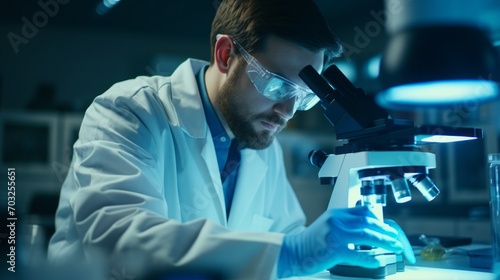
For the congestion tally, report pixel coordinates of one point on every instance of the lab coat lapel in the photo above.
(208, 155)
(185, 95)
(191, 119)
(250, 176)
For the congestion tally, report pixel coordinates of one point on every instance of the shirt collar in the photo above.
(217, 130)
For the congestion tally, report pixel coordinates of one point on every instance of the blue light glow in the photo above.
(348, 70)
(106, 5)
(372, 67)
(110, 3)
(438, 93)
(441, 138)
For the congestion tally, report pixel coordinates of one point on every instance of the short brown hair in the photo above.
(298, 21)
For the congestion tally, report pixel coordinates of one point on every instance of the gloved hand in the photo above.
(407, 250)
(324, 243)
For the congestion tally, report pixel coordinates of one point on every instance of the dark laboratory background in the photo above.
(56, 56)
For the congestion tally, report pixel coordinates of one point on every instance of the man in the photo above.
(184, 172)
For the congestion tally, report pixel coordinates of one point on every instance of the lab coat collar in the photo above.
(185, 95)
(191, 118)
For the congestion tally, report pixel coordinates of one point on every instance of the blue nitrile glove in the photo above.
(407, 249)
(324, 243)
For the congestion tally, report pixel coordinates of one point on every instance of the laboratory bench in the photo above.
(463, 264)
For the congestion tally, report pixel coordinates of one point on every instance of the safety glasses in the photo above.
(274, 86)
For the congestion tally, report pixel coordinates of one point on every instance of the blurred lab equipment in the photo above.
(433, 250)
(438, 54)
(378, 153)
(32, 245)
(494, 174)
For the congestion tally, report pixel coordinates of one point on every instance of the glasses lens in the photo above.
(277, 88)
(307, 102)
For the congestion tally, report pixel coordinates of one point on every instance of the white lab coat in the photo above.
(145, 182)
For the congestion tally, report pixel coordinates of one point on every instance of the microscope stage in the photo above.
(390, 264)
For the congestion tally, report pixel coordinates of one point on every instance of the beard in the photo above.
(240, 119)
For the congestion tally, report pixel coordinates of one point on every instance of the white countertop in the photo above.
(416, 273)
(452, 267)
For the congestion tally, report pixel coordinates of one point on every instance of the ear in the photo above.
(222, 53)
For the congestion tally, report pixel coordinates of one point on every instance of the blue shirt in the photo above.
(228, 152)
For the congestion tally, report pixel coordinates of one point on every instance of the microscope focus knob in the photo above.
(317, 158)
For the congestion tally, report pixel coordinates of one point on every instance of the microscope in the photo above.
(379, 155)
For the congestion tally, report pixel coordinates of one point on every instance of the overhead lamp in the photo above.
(438, 54)
(104, 6)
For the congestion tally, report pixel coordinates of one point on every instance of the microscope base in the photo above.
(391, 263)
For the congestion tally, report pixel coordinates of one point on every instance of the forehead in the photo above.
(287, 59)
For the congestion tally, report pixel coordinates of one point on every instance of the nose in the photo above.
(286, 109)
